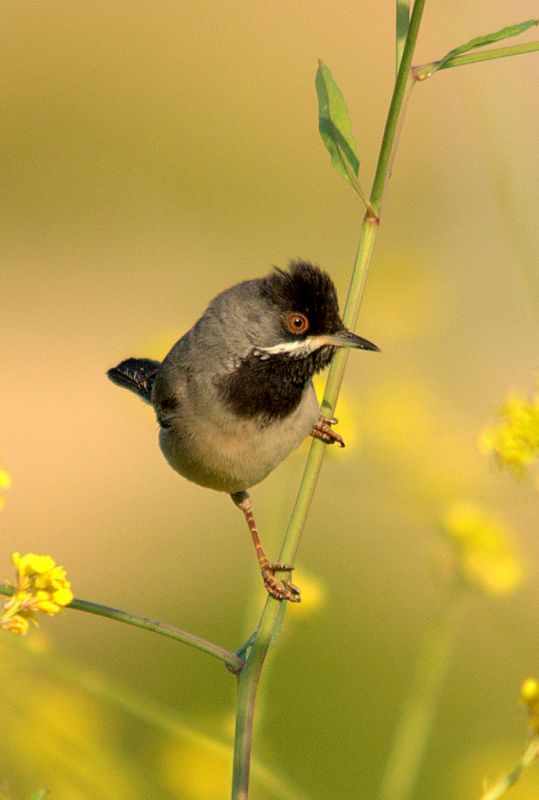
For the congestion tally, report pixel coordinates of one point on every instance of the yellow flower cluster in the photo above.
(529, 695)
(515, 440)
(40, 585)
(486, 551)
(5, 483)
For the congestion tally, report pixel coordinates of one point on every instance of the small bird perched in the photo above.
(234, 396)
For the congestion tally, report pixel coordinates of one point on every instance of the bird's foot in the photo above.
(282, 590)
(322, 430)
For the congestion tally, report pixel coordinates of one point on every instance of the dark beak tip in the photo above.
(370, 346)
(350, 339)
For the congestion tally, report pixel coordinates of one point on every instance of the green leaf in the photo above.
(335, 126)
(39, 795)
(489, 38)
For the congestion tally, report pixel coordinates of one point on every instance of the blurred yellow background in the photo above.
(153, 154)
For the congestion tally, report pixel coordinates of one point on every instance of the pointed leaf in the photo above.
(335, 126)
(489, 38)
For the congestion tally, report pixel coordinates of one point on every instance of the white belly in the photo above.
(229, 453)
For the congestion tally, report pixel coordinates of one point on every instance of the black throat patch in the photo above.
(271, 388)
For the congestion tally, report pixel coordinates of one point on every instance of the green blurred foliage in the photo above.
(154, 153)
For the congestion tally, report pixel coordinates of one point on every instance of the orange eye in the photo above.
(297, 323)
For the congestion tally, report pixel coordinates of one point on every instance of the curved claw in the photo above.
(278, 566)
(323, 431)
(281, 590)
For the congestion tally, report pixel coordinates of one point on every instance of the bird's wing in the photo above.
(137, 375)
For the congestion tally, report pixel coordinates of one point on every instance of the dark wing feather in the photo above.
(137, 375)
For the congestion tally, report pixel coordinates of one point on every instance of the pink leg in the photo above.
(282, 590)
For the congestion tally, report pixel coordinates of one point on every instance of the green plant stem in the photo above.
(415, 722)
(401, 92)
(232, 661)
(529, 757)
(425, 71)
(367, 240)
(273, 612)
(403, 23)
(354, 181)
(248, 680)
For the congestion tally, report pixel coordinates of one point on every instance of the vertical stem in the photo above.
(274, 610)
(413, 728)
(403, 22)
(394, 118)
(248, 680)
(244, 734)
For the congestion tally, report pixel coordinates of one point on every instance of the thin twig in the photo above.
(232, 661)
(424, 71)
(529, 757)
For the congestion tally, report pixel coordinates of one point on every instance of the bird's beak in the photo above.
(346, 338)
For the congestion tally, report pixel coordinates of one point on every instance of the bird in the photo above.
(234, 395)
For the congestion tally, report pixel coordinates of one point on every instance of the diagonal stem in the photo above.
(425, 71)
(273, 611)
(529, 757)
(229, 659)
(233, 662)
(367, 239)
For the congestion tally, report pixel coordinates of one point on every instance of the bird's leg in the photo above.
(282, 590)
(322, 430)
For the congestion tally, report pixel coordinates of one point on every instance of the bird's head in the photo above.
(291, 325)
(304, 314)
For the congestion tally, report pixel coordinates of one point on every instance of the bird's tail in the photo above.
(137, 375)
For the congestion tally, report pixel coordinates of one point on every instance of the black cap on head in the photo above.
(306, 289)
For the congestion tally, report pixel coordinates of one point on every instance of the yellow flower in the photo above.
(5, 479)
(529, 695)
(16, 624)
(5, 483)
(486, 552)
(515, 439)
(31, 564)
(40, 586)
